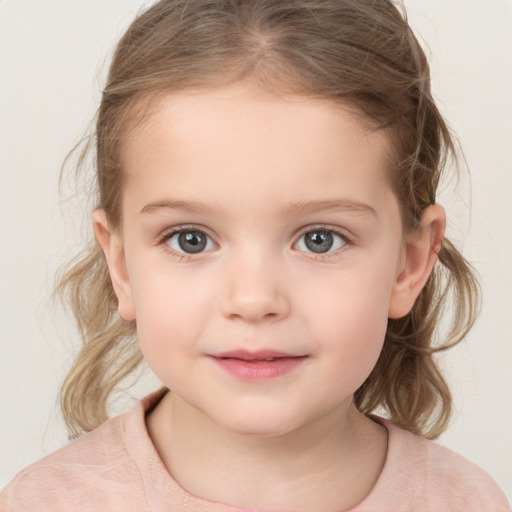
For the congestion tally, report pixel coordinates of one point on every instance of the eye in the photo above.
(321, 241)
(190, 241)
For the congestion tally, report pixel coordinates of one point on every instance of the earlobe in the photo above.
(111, 243)
(420, 254)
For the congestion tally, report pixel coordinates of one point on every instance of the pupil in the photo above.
(319, 241)
(192, 241)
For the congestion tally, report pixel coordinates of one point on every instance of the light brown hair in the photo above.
(356, 53)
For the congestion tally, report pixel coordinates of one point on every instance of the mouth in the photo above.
(259, 355)
(257, 366)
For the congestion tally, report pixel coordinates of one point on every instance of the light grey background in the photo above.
(52, 58)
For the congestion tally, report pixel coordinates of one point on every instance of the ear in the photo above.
(111, 243)
(421, 248)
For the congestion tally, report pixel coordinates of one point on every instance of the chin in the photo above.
(259, 425)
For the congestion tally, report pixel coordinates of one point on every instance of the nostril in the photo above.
(268, 309)
(253, 292)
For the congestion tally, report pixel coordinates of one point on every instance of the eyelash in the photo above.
(327, 256)
(167, 235)
(331, 255)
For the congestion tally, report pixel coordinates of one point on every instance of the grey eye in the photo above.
(190, 242)
(320, 241)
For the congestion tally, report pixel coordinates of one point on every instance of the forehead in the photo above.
(236, 138)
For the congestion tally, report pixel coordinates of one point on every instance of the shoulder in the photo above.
(452, 476)
(68, 474)
(436, 478)
(97, 469)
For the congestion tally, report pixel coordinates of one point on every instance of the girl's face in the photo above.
(261, 253)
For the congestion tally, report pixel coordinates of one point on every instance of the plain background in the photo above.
(53, 56)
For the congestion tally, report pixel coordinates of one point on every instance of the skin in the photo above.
(261, 171)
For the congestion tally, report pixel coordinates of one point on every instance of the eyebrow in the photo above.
(188, 206)
(306, 207)
(300, 207)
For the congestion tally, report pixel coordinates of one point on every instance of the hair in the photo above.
(360, 54)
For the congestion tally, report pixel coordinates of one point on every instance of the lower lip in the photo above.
(258, 371)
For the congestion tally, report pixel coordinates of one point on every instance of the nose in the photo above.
(254, 290)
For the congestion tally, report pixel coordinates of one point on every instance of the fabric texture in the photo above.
(117, 468)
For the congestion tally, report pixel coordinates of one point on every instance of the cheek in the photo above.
(171, 313)
(357, 329)
(353, 353)
(351, 323)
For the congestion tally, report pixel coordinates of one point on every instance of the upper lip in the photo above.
(256, 355)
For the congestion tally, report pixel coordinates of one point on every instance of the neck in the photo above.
(329, 464)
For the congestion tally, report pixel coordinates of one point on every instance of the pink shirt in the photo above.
(116, 468)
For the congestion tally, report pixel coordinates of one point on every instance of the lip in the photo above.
(258, 366)
(249, 355)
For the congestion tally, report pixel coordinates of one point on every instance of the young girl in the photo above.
(268, 239)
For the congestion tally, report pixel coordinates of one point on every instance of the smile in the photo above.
(257, 366)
